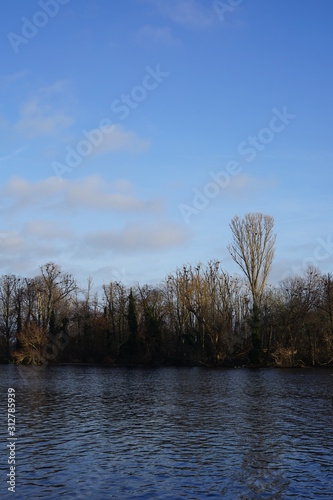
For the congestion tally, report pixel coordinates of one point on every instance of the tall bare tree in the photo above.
(53, 287)
(253, 248)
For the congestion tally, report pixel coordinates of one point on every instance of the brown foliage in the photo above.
(32, 342)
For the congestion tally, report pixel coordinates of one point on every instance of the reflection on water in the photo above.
(170, 433)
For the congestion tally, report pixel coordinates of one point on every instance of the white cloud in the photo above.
(136, 238)
(37, 119)
(38, 240)
(243, 185)
(40, 118)
(44, 230)
(94, 193)
(120, 139)
(89, 193)
(189, 13)
(158, 36)
(20, 254)
(22, 194)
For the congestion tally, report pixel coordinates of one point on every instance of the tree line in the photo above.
(198, 315)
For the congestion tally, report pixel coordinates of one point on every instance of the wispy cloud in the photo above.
(43, 230)
(11, 155)
(23, 250)
(89, 193)
(21, 194)
(39, 117)
(121, 140)
(157, 36)
(189, 13)
(6, 80)
(60, 86)
(94, 193)
(80, 219)
(135, 238)
(244, 186)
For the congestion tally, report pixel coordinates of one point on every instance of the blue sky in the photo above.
(133, 131)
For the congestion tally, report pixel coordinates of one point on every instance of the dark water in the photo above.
(99, 433)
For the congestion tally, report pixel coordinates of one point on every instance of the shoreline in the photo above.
(156, 366)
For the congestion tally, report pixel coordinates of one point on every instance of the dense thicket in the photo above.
(198, 315)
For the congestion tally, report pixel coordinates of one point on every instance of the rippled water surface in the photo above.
(99, 433)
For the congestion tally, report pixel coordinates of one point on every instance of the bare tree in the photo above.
(253, 248)
(52, 287)
(8, 284)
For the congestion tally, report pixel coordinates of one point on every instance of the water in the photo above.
(169, 433)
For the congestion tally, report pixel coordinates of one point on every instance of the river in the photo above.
(168, 433)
